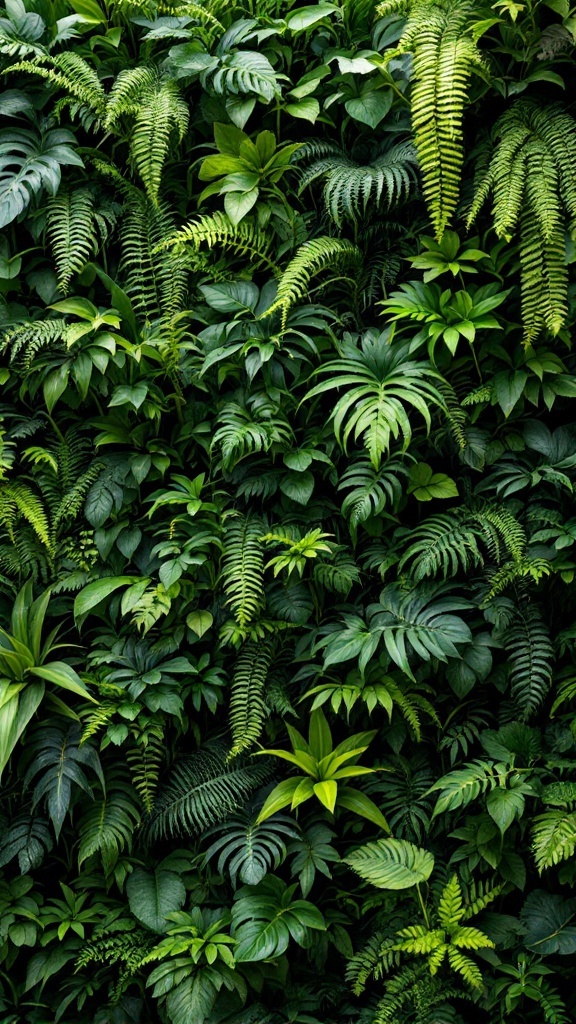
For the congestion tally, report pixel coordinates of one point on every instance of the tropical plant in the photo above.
(287, 537)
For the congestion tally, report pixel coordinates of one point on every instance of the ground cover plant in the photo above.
(287, 526)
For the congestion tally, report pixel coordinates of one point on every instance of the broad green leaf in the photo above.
(391, 864)
(152, 895)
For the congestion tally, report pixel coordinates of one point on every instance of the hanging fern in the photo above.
(71, 72)
(438, 33)
(314, 256)
(76, 225)
(155, 102)
(531, 176)
(145, 760)
(203, 789)
(243, 567)
(530, 660)
(248, 709)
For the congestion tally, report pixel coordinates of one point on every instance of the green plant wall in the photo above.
(287, 519)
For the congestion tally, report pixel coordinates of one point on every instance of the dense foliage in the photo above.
(287, 460)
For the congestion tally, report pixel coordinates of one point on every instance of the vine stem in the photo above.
(423, 906)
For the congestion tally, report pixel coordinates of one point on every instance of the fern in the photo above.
(248, 709)
(245, 239)
(204, 789)
(108, 825)
(313, 257)
(530, 660)
(155, 282)
(71, 232)
(351, 188)
(438, 32)
(120, 944)
(71, 72)
(532, 180)
(155, 102)
(19, 500)
(443, 544)
(243, 432)
(243, 568)
(553, 838)
(145, 761)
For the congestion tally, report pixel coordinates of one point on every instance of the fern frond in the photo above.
(69, 71)
(155, 281)
(204, 789)
(438, 33)
(248, 709)
(71, 232)
(530, 660)
(217, 231)
(17, 499)
(553, 838)
(531, 175)
(159, 109)
(443, 544)
(145, 761)
(243, 567)
(351, 189)
(312, 258)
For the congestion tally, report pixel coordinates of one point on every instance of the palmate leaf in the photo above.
(420, 621)
(383, 384)
(30, 162)
(61, 758)
(247, 851)
(391, 864)
(28, 838)
(266, 917)
(547, 919)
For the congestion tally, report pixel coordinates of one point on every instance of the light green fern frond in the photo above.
(553, 838)
(245, 239)
(18, 500)
(243, 568)
(159, 110)
(314, 256)
(531, 176)
(438, 33)
(71, 72)
(71, 232)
